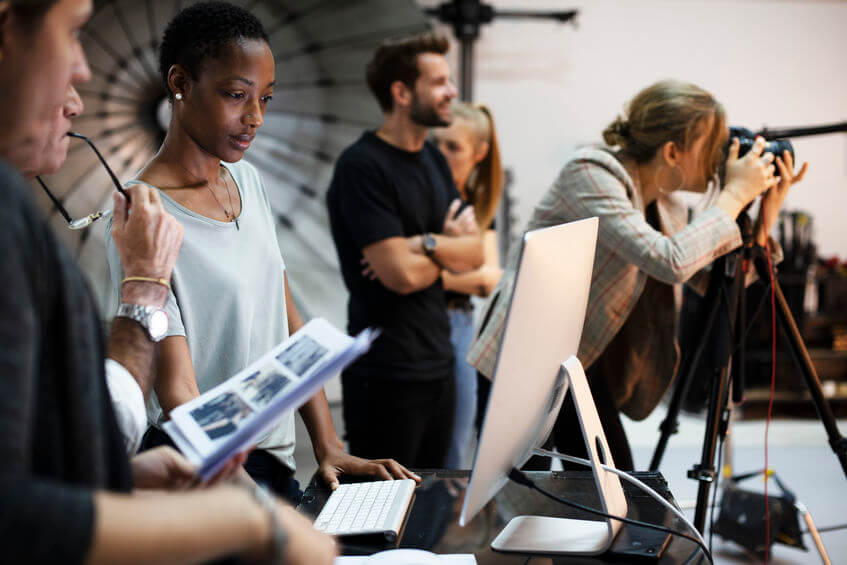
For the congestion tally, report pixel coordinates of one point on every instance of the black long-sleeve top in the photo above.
(59, 440)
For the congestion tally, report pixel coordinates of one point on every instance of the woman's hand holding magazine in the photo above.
(230, 418)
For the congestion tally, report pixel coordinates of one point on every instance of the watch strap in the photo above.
(429, 243)
(140, 314)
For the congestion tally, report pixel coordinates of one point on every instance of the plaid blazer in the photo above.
(629, 250)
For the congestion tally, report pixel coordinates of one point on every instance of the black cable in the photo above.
(520, 478)
(696, 553)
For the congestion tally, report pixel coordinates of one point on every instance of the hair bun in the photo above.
(616, 133)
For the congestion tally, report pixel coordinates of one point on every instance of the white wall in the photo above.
(777, 63)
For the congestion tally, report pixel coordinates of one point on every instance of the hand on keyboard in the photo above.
(377, 507)
(334, 462)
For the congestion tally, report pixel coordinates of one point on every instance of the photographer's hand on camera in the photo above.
(746, 177)
(774, 198)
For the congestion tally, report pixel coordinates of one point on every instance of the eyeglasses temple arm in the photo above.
(103, 161)
(56, 203)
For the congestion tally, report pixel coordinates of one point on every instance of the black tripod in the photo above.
(721, 316)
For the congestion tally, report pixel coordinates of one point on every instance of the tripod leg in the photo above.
(815, 534)
(707, 311)
(704, 472)
(670, 424)
(804, 363)
(718, 415)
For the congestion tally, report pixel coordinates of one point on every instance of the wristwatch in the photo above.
(429, 244)
(153, 320)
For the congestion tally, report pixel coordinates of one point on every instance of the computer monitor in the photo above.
(535, 365)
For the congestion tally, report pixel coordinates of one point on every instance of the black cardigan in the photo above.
(59, 440)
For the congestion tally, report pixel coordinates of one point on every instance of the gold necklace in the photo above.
(230, 215)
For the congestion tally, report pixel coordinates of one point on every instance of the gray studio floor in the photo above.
(799, 453)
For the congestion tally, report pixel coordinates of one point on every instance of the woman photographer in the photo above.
(672, 138)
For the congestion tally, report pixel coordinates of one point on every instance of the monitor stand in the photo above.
(566, 536)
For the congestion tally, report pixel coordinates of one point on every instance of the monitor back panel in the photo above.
(543, 329)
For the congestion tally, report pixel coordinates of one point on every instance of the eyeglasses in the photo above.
(91, 218)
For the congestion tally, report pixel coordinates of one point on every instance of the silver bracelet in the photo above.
(278, 535)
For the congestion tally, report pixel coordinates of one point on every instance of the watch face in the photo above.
(158, 324)
(429, 243)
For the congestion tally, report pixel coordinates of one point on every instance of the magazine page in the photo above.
(232, 416)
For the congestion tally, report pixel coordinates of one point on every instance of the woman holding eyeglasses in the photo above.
(68, 492)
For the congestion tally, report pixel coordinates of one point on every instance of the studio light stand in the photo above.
(467, 16)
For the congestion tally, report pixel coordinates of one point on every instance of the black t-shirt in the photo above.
(380, 191)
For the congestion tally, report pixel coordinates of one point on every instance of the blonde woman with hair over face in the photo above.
(470, 146)
(672, 137)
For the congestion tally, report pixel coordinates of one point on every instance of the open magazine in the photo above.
(234, 415)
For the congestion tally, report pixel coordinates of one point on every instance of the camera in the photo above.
(747, 137)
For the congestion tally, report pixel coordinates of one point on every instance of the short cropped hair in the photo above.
(203, 31)
(397, 59)
(31, 12)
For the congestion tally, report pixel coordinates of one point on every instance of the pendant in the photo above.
(232, 218)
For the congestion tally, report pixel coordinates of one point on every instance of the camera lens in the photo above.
(744, 145)
(776, 146)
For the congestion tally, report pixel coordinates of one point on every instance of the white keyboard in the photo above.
(377, 507)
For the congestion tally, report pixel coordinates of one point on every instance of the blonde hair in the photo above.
(485, 184)
(670, 110)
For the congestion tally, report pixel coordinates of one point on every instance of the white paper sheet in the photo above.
(451, 559)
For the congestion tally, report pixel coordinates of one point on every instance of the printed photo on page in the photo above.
(217, 416)
(261, 387)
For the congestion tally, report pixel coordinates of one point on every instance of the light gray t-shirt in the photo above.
(228, 294)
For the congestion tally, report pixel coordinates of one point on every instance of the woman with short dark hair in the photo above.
(230, 302)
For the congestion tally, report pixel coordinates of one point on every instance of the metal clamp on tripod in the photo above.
(721, 315)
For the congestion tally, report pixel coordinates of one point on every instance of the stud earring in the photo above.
(178, 95)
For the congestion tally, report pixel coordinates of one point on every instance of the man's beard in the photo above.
(426, 116)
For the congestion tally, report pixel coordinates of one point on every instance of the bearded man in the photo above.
(396, 222)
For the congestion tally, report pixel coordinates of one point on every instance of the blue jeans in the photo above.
(461, 335)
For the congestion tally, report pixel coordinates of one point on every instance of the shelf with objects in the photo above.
(816, 291)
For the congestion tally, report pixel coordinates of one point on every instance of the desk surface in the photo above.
(433, 522)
